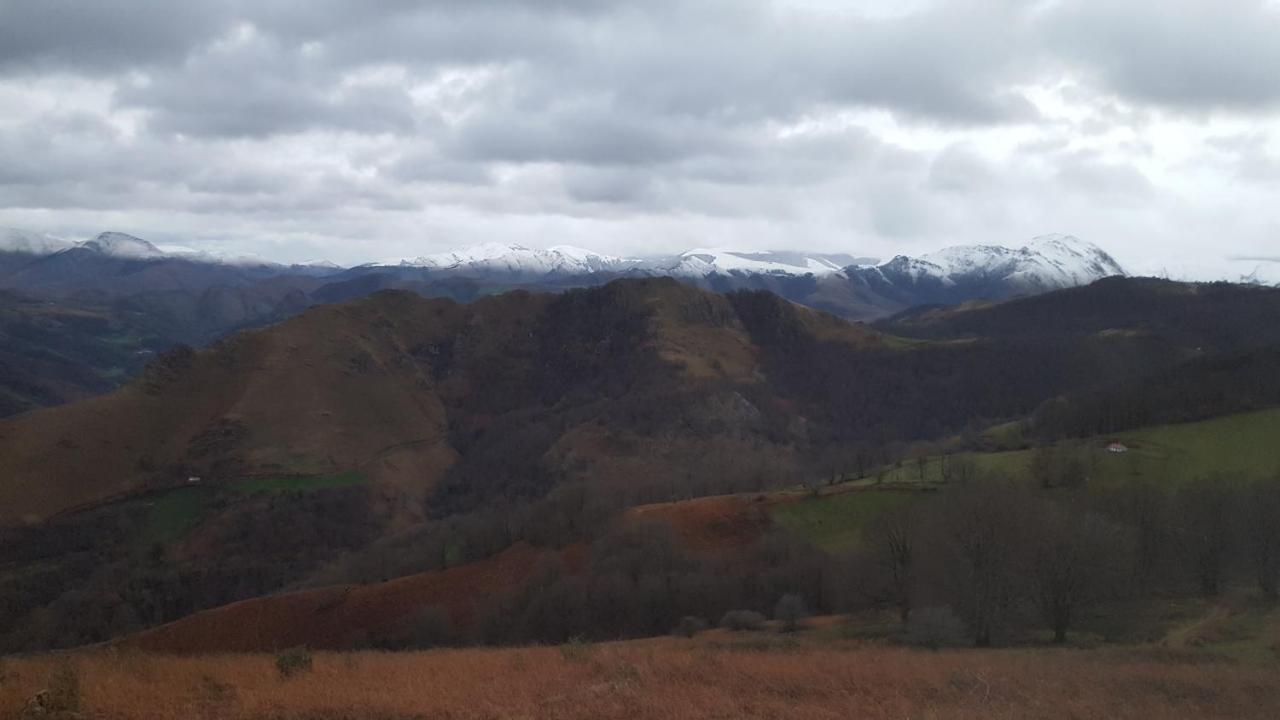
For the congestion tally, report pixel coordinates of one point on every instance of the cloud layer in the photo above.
(358, 130)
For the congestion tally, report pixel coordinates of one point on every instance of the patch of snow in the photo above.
(319, 264)
(1047, 262)
(707, 261)
(520, 260)
(31, 243)
(121, 245)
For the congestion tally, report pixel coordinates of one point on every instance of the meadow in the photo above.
(716, 675)
(1245, 446)
(1242, 445)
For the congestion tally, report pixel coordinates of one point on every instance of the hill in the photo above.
(396, 435)
(168, 297)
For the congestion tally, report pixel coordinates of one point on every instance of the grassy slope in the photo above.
(1245, 446)
(298, 483)
(835, 522)
(174, 512)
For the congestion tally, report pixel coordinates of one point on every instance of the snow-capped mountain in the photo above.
(561, 260)
(708, 261)
(518, 260)
(844, 284)
(115, 244)
(968, 272)
(13, 240)
(1048, 262)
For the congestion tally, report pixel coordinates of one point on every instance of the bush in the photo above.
(790, 611)
(577, 650)
(934, 627)
(690, 626)
(215, 700)
(742, 620)
(293, 661)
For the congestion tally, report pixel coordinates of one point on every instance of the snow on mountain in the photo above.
(521, 260)
(213, 257)
(1047, 262)
(121, 245)
(319, 264)
(569, 260)
(708, 261)
(31, 243)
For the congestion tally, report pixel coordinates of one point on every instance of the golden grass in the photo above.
(664, 678)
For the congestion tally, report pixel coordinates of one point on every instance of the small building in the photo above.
(1118, 447)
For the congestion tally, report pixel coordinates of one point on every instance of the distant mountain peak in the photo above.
(520, 260)
(1046, 262)
(965, 272)
(31, 243)
(719, 260)
(117, 244)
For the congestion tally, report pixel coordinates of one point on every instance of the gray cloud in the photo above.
(103, 37)
(402, 127)
(1184, 54)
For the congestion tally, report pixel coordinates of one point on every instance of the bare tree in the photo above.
(1262, 529)
(891, 541)
(983, 553)
(1076, 561)
(1060, 466)
(962, 469)
(790, 611)
(1203, 524)
(1144, 507)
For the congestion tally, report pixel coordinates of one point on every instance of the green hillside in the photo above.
(1244, 446)
(835, 522)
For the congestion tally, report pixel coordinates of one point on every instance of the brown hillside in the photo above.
(385, 385)
(347, 617)
(342, 617)
(323, 392)
(712, 524)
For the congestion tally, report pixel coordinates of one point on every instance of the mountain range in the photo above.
(78, 318)
(115, 264)
(395, 434)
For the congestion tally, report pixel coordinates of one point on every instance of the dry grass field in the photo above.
(713, 676)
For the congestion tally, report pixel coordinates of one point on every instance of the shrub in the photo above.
(293, 661)
(689, 626)
(215, 700)
(790, 611)
(742, 620)
(578, 649)
(934, 627)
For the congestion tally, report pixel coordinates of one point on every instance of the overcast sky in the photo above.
(358, 130)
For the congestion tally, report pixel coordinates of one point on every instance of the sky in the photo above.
(356, 131)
